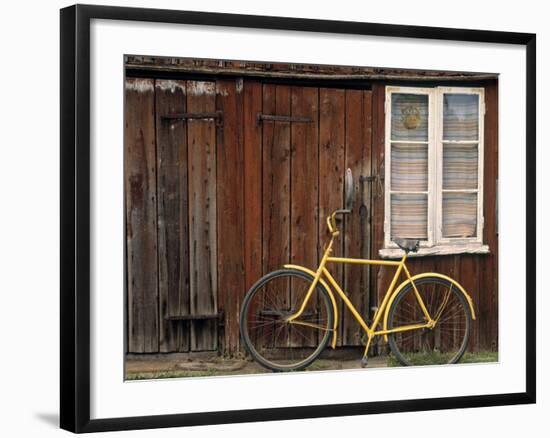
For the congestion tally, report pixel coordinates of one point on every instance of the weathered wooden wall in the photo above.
(211, 206)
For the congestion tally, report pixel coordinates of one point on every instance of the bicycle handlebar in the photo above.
(331, 221)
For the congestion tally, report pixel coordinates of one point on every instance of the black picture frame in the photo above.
(75, 217)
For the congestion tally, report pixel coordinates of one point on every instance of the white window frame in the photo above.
(436, 242)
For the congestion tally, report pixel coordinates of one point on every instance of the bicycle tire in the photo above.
(320, 295)
(413, 351)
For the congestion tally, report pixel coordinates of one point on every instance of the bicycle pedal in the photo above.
(364, 362)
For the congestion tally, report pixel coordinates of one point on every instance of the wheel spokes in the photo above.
(442, 343)
(283, 343)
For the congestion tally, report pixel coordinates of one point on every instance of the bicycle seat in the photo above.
(407, 245)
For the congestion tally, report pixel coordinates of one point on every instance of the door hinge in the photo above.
(196, 317)
(260, 118)
(216, 116)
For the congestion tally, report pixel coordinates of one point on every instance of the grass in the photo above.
(419, 359)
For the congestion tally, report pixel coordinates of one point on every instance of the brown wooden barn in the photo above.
(231, 168)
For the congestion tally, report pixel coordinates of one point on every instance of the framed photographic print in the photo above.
(262, 214)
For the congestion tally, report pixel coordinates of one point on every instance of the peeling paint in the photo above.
(239, 85)
(139, 85)
(196, 88)
(172, 86)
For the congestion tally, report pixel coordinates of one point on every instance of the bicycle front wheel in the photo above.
(270, 338)
(446, 342)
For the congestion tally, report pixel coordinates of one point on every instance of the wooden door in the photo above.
(171, 184)
(226, 180)
(310, 136)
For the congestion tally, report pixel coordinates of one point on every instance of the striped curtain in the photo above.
(409, 167)
(460, 165)
(460, 116)
(459, 214)
(409, 216)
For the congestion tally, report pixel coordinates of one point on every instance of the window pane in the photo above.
(460, 116)
(409, 167)
(409, 117)
(459, 214)
(409, 216)
(460, 166)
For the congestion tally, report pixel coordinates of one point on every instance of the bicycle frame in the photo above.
(322, 275)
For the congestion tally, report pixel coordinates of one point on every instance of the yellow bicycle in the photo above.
(289, 315)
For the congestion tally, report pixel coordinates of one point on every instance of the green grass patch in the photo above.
(419, 359)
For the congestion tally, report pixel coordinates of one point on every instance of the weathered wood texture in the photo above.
(276, 186)
(231, 208)
(173, 216)
(201, 138)
(356, 237)
(141, 215)
(380, 275)
(252, 105)
(211, 205)
(331, 172)
(488, 294)
(285, 70)
(304, 180)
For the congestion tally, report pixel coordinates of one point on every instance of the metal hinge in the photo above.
(378, 189)
(260, 117)
(369, 178)
(195, 317)
(217, 116)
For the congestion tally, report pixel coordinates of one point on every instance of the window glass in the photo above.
(459, 215)
(446, 139)
(409, 167)
(409, 117)
(460, 162)
(460, 116)
(409, 218)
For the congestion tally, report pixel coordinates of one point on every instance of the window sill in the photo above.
(468, 248)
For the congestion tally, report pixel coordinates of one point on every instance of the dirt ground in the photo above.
(178, 367)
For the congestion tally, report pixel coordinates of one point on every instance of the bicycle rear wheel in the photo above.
(274, 342)
(446, 342)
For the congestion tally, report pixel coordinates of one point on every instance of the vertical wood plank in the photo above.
(141, 215)
(252, 182)
(276, 184)
(304, 188)
(357, 235)
(231, 207)
(331, 170)
(201, 142)
(489, 292)
(380, 275)
(469, 279)
(173, 227)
